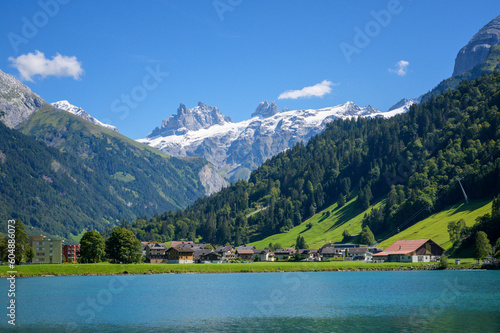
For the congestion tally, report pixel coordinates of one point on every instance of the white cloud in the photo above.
(401, 68)
(32, 64)
(318, 90)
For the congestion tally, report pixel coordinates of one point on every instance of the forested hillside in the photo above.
(90, 178)
(413, 160)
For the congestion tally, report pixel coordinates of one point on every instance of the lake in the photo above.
(407, 301)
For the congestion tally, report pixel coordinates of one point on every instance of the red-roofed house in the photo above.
(414, 250)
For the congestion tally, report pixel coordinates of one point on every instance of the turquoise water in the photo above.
(414, 301)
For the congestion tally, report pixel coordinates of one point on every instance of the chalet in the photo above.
(415, 250)
(198, 253)
(244, 254)
(227, 252)
(211, 258)
(180, 255)
(263, 255)
(309, 254)
(284, 254)
(360, 253)
(156, 253)
(330, 252)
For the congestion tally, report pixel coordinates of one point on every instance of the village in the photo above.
(183, 252)
(49, 251)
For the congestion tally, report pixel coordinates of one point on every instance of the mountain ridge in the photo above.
(236, 149)
(78, 111)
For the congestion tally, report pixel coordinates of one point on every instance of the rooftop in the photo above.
(404, 247)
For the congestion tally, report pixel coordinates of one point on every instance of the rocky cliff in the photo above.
(478, 48)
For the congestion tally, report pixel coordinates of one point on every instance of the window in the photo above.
(43, 243)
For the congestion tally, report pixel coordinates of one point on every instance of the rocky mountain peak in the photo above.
(265, 109)
(478, 48)
(191, 119)
(17, 101)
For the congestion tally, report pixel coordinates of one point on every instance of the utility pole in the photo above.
(465, 195)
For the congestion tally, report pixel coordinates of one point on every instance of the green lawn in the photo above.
(436, 225)
(324, 229)
(109, 269)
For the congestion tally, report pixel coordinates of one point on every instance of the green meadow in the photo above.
(112, 269)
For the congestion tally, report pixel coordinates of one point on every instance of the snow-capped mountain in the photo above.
(77, 111)
(202, 116)
(238, 148)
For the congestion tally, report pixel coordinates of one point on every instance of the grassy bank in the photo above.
(110, 269)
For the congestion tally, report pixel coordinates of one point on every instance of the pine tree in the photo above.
(300, 243)
(366, 237)
(341, 201)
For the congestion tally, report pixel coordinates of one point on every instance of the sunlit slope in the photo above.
(349, 217)
(325, 228)
(436, 225)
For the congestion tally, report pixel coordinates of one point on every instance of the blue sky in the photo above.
(232, 54)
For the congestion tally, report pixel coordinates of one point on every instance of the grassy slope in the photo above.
(324, 229)
(350, 216)
(435, 226)
(108, 269)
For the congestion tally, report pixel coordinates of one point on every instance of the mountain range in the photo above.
(236, 149)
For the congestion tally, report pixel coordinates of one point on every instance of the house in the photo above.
(327, 252)
(156, 253)
(47, 251)
(360, 253)
(263, 255)
(198, 253)
(415, 250)
(244, 254)
(211, 257)
(71, 252)
(309, 254)
(180, 255)
(284, 254)
(227, 253)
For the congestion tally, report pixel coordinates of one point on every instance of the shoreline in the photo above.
(103, 269)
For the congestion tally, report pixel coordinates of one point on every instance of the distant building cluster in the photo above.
(51, 251)
(183, 252)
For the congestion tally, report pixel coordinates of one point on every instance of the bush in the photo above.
(443, 263)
